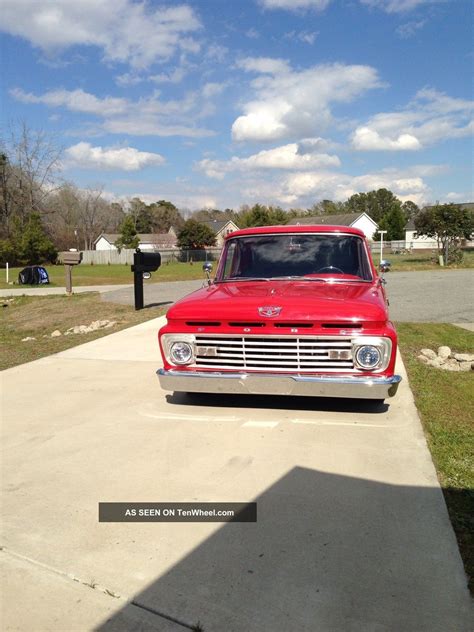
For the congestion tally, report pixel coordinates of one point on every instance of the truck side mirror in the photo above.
(207, 267)
(385, 265)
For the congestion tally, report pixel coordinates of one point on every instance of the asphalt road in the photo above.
(352, 532)
(438, 296)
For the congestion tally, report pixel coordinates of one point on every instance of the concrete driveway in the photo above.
(352, 532)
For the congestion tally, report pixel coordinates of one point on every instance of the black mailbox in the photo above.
(143, 262)
(146, 261)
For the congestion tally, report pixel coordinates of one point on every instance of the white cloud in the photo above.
(174, 76)
(146, 116)
(126, 31)
(75, 101)
(398, 6)
(84, 155)
(129, 79)
(367, 139)
(287, 157)
(431, 117)
(252, 33)
(295, 5)
(291, 103)
(409, 29)
(264, 65)
(217, 53)
(305, 187)
(212, 89)
(453, 196)
(307, 37)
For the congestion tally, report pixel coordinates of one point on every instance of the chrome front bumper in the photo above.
(359, 387)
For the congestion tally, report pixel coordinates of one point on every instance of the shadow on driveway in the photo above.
(329, 553)
(280, 402)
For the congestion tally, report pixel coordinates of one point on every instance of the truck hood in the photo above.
(299, 301)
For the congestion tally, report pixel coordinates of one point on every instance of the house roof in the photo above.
(217, 224)
(469, 206)
(158, 239)
(341, 219)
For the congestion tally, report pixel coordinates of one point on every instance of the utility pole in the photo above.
(382, 233)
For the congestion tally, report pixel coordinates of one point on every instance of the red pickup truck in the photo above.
(292, 310)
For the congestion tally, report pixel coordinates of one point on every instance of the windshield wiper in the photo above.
(300, 278)
(233, 279)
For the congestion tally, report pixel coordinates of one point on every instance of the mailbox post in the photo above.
(70, 258)
(143, 262)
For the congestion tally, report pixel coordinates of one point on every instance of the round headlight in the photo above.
(368, 357)
(181, 352)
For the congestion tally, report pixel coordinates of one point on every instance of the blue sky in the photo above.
(216, 104)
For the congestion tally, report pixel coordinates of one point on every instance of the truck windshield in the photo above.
(319, 256)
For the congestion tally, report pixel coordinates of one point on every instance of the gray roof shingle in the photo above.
(341, 219)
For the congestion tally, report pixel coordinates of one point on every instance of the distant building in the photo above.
(413, 242)
(362, 221)
(150, 241)
(221, 229)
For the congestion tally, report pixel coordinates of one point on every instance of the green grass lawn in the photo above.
(445, 403)
(38, 316)
(85, 274)
(422, 260)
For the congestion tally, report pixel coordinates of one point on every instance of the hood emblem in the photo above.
(269, 310)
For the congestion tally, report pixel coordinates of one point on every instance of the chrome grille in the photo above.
(309, 354)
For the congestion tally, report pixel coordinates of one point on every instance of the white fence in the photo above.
(125, 256)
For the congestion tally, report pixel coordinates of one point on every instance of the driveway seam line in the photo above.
(57, 571)
(95, 586)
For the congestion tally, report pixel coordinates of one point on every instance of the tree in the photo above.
(376, 204)
(144, 220)
(410, 209)
(93, 210)
(394, 223)
(195, 236)
(128, 235)
(64, 219)
(6, 201)
(448, 224)
(28, 167)
(165, 215)
(33, 244)
(277, 215)
(326, 207)
(208, 215)
(136, 207)
(77, 216)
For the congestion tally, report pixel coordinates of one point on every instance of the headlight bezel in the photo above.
(187, 349)
(382, 345)
(169, 340)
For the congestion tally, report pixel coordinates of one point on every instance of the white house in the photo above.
(412, 242)
(149, 241)
(362, 221)
(221, 228)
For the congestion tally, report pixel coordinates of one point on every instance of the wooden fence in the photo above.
(125, 256)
